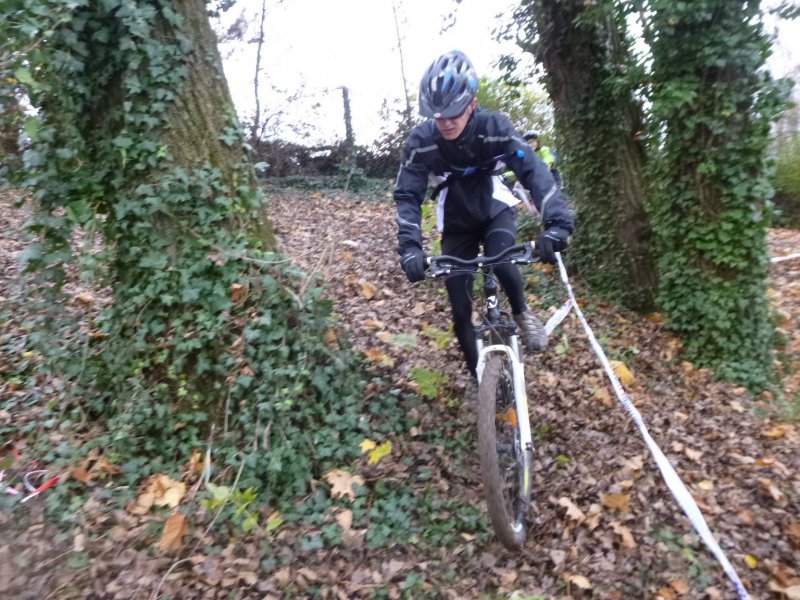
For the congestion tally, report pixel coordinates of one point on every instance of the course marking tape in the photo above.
(558, 316)
(671, 478)
(777, 259)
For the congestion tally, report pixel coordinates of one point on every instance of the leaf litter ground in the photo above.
(605, 526)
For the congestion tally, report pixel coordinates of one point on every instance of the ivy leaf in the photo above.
(23, 75)
(123, 142)
(32, 128)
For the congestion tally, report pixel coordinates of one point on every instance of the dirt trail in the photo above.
(740, 463)
(604, 517)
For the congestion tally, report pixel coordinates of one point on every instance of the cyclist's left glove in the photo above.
(413, 262)
(551, 241)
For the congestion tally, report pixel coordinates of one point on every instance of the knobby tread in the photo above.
(502, 521)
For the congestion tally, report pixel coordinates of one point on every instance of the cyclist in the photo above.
(473, 204)
(547, 154)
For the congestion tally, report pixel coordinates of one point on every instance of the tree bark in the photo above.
(598, 126)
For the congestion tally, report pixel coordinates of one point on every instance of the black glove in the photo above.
(413, 263)
(551, 241)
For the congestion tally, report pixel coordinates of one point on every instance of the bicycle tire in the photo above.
(507, 505)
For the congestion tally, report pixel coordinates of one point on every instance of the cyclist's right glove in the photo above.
(413, 264)
(551, 241)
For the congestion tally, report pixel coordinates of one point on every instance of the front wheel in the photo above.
(505, 465)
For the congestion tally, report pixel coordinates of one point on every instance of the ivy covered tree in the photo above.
(598, 124)
(209, 332)
(713, 107)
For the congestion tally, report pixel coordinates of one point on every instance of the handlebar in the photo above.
(522, 254)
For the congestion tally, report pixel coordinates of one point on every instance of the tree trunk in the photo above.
(714, 104)
(210, 336)
(598, 126)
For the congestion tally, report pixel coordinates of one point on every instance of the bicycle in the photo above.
(505, 444)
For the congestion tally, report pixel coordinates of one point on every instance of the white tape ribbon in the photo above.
(558, 316)
(671, 478)
(777, 259)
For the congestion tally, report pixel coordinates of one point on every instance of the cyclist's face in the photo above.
(452, 128)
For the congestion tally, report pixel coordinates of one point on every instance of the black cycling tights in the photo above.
(497, 235)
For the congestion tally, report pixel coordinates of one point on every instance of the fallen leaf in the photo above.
(776, 432)
(548, 379)
(794, 532)
(694, 455)
(172, 492)
(80, 474)
(751, 561)
(308, 574)
(367, 445)
(376, 454)
(636, 463)
(705, 485)
(161, 491)
(345, 519)
(368, 290)
(784, 575)
(237, 292)
(773, 491)
(666, 593)
(624, 533)
(558, 557)
(419, 309)
(622, 371)
(789, 593)
(374, 355)
(680, 586)
(737, 406)
(713, 593)
(746, 516)
(79, 542)
(619, 502)
(573, 512)
(384, 336)
(274, 520)
(603, 396)
(282, 576)
(330, 337)
(196, 462)
(175, 527)
(373, 324)
(342, 483)
(103, 465)
(143, 504)
(85, 298)
(507, 579)
(579, 580)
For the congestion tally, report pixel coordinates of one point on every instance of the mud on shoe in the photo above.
(532, 331)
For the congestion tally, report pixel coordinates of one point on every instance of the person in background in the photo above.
(474, 207)
(547, 154)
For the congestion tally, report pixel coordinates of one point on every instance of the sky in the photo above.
(314, 47)
(328, 44)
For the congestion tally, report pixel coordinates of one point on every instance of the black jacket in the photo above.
(469, 202)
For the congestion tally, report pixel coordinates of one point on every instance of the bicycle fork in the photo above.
(525, 451)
